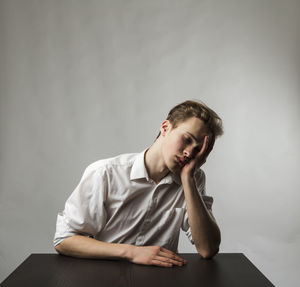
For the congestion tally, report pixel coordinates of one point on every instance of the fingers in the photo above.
(166, 255)
(169, 260)
(169, 254)
(156, 255)
(166, 250)
(207, 147)
(204, 145)
(202, 154)
(161, 263)
(212, 139)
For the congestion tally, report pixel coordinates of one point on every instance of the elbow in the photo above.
(208, 253)
(209, 249)
(61, 247)
(58, 248)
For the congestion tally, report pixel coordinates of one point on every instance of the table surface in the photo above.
(225, 269)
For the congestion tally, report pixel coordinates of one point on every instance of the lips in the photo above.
(181, 161)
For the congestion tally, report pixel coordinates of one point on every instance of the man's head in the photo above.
(189, 109)
(182, 133)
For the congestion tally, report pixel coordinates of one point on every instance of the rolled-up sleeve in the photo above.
(84, 211)
(200, 180)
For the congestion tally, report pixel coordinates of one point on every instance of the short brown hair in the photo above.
(188, 109)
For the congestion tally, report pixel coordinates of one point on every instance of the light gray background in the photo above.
(85, 80)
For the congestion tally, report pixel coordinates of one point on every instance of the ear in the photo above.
(165, 127)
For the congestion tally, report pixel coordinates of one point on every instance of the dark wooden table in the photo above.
(225, 269)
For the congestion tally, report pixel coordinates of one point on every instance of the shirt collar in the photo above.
(139, 170)
(170, 178)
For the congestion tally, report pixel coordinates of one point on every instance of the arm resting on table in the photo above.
(85, 247)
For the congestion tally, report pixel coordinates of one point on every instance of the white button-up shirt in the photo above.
(116, 201)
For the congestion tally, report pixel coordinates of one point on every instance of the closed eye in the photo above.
(187, 140)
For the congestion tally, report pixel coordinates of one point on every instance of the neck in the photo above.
(154, 162)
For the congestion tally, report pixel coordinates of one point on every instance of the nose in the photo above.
(190, 151)
(187, 152)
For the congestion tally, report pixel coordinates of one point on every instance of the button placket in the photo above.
(141, 236)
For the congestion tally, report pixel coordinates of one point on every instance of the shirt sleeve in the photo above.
(84, 211)
(200, 181)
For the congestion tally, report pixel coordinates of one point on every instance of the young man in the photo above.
(133, 206)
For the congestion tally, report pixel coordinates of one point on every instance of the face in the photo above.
(182, 143)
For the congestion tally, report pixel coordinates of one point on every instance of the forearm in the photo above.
(205, 231)
(85, 247)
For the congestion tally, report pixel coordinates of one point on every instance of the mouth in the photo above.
(180, 161)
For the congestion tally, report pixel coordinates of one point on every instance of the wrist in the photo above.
(187, 178)
(128, 251)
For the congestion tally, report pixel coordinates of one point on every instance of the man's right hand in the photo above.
(154, 255)
(85, 247)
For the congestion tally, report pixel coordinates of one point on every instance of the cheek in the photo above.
(179, 144)
(176, 145)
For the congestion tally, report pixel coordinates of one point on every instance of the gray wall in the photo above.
(85, 80)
